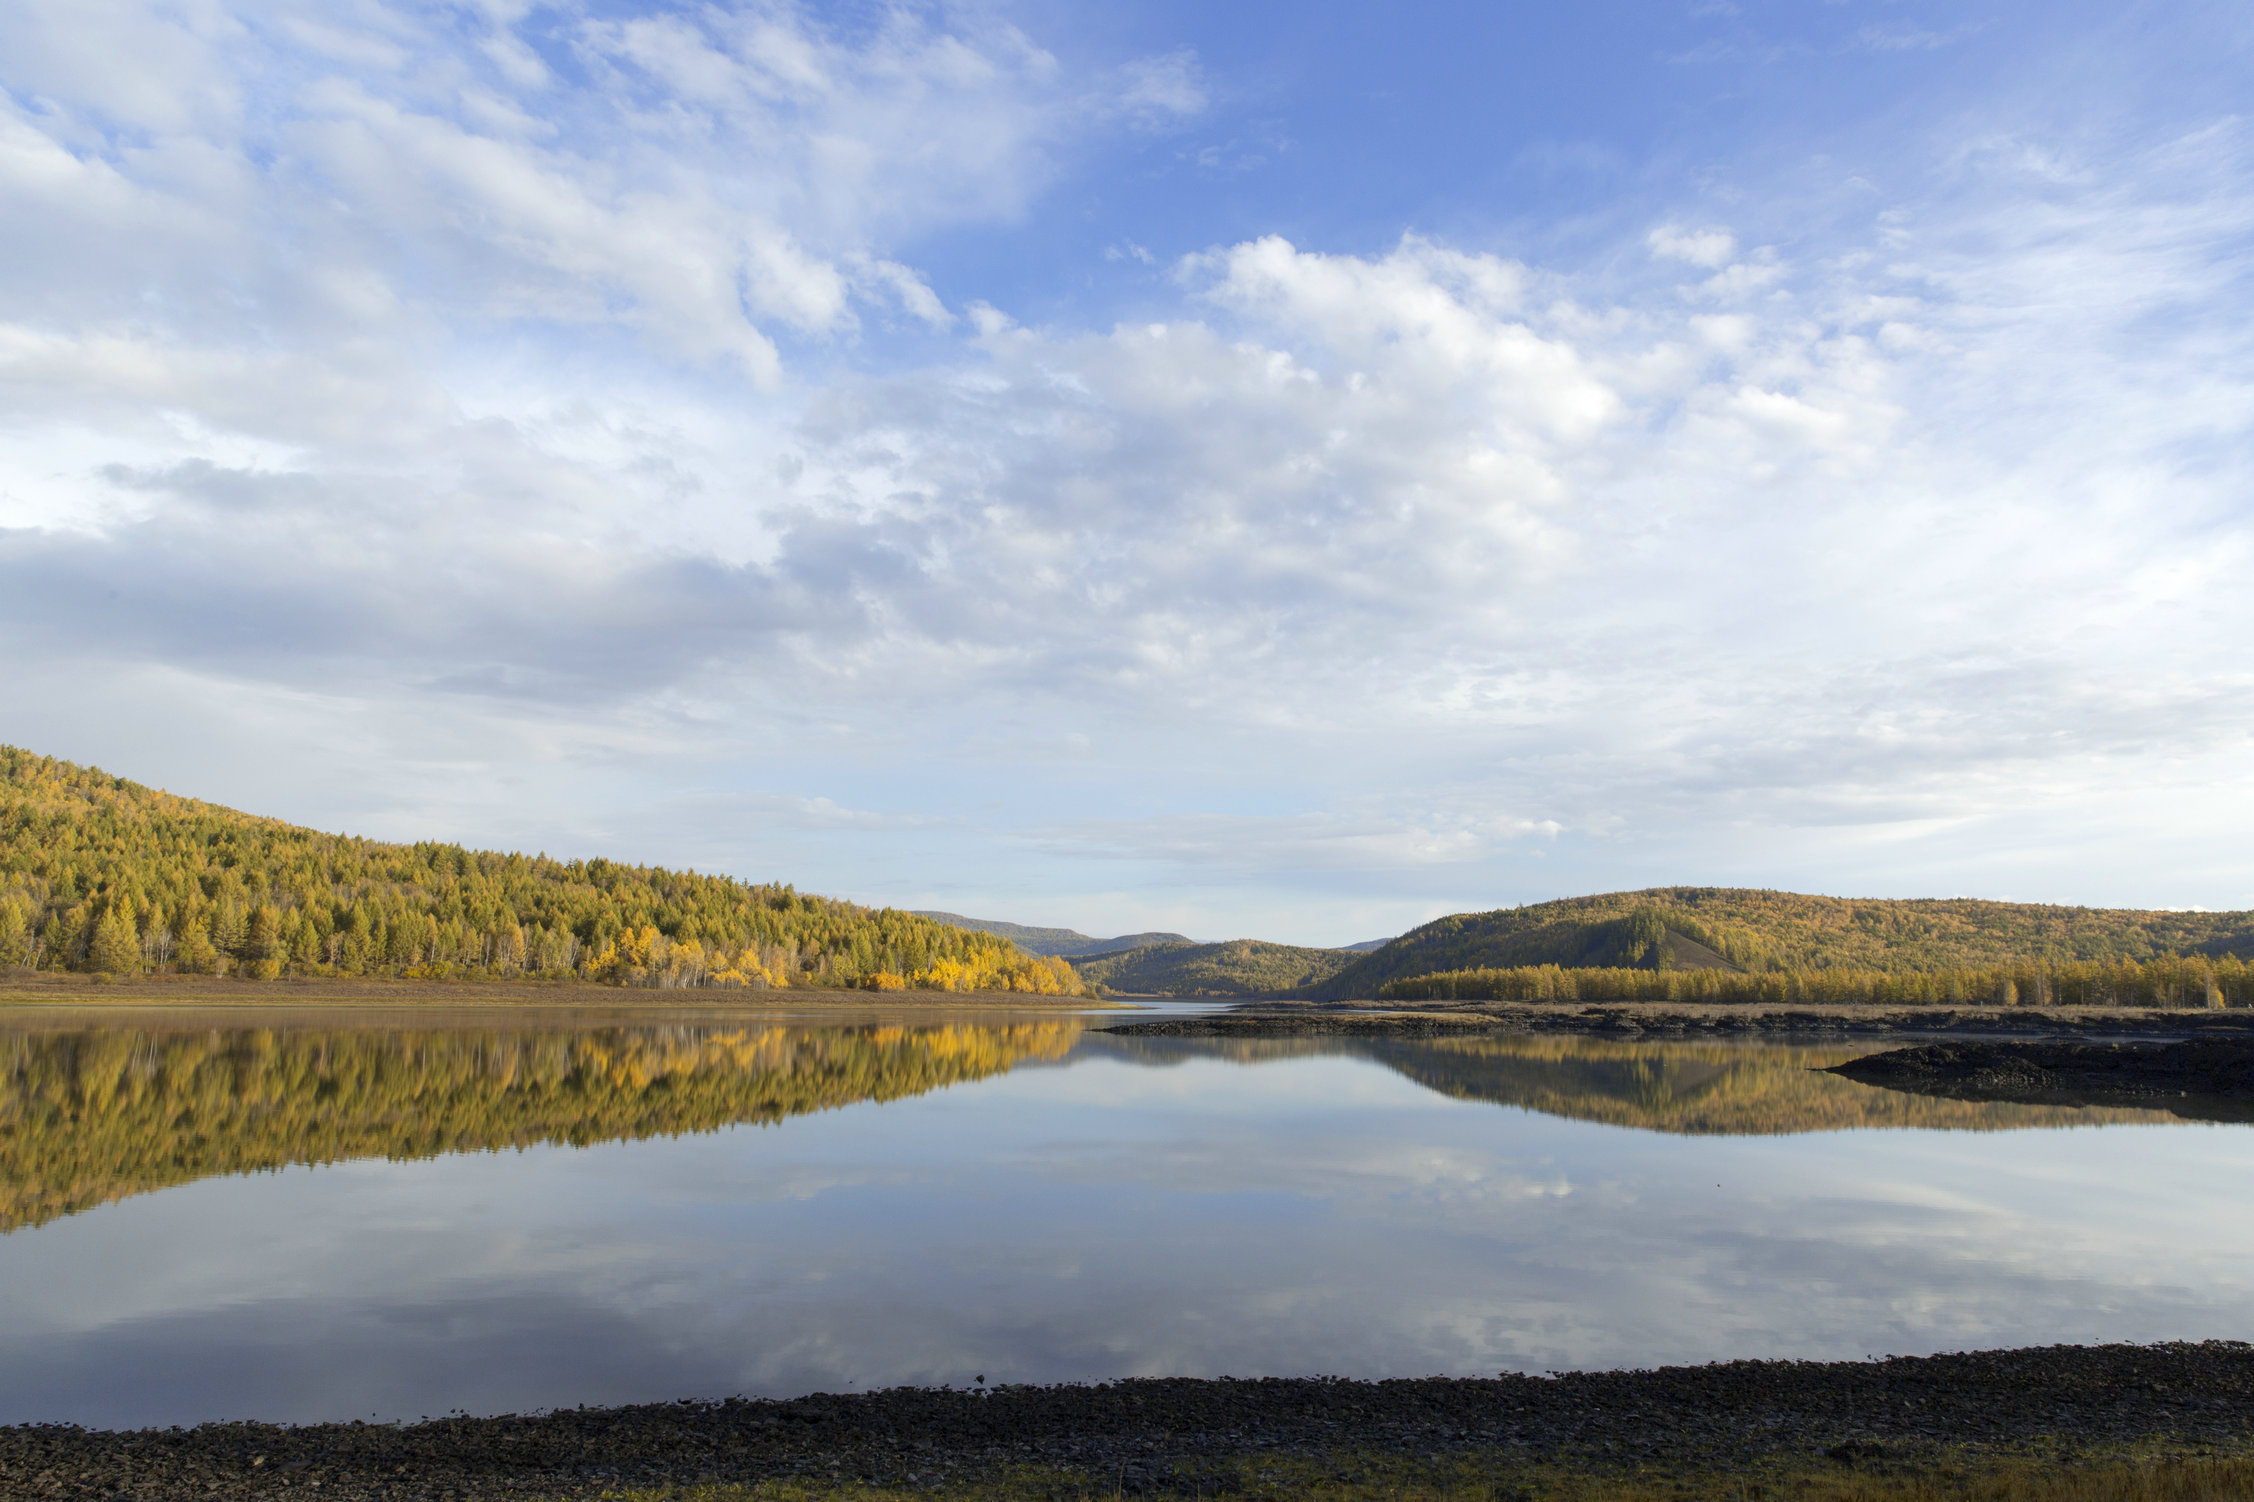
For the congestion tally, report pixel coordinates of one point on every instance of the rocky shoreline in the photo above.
(1180, 1437)
(2209, 1079)
(1630, 1019)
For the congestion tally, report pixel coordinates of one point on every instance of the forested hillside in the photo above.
(2170, 981)
(1241, 967)
(1764, 931)
(101, 874)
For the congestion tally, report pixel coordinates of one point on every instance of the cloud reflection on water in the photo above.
(1317, 1211)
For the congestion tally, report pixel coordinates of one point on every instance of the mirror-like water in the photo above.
(334, 1222)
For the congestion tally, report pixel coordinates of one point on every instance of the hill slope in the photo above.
(1761, 930)
(1063, 942)
(1241, 967)
(98, 873)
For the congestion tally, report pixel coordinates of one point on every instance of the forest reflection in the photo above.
(1700, 1089)
(96, 1114)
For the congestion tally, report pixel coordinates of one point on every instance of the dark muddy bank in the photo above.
(1165, 1436)
(2207, 1079)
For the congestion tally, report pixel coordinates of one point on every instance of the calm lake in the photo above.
(239, 1217)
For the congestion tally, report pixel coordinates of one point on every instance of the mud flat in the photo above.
(1691, 1020)
(1183, 1437)
(2207, 1078)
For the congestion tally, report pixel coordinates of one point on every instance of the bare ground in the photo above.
(1177, 1437)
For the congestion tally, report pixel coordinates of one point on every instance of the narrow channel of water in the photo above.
(317, 1222)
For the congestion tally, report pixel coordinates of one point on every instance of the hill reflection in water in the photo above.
(1693, 1088)
(96, 1114)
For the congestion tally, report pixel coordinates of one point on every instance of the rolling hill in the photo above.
(1063, 942)
(101, 874)
(105, 875)
(1240, 967)
(1761, 930)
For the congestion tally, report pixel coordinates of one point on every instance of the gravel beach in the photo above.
(1167, 1437)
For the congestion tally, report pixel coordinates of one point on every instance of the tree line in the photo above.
(101, 874)
(2168, 981)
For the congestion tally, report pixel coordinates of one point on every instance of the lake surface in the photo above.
(307, 1220)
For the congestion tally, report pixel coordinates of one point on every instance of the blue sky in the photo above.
(1272, 470)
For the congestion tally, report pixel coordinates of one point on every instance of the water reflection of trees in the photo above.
(98, 1114)
(1685, 1087)
(95, 1115)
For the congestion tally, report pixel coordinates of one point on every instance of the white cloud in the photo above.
(1905, 37)
(1162, 91)
(1710, 248)
(502, 399)
(713, 180)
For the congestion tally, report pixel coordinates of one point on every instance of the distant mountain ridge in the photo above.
(1240, 967)
(1061, 943)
